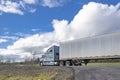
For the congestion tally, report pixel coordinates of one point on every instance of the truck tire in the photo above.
(67, 63)
(62, 63)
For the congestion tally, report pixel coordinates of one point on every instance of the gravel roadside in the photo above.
(97, 73)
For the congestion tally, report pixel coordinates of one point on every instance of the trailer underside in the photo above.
(86, 60)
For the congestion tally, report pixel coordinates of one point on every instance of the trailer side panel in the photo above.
(97, 46)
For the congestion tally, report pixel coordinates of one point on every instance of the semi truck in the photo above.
(51, 56)
(84, 50)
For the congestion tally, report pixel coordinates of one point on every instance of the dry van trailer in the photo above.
(83, 50)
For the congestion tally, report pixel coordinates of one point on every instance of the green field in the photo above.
(104, 64)
(40, 77)
(8, 72)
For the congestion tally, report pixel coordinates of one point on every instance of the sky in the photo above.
(32, 26)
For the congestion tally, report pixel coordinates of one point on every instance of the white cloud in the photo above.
(34, 30)
(92, 19)
(53, 3)
(18, 7)
(29, 45)
(21, 6)
(30, 1)
(95, 18)
(3, 40)
(19, 34)
(32, 42)
(8, 6)
(17, 55)
(32, 10)
(9, 37)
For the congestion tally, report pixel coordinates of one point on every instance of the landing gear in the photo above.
(86, 61)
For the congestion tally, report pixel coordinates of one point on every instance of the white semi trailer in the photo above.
(100, 47)
(105, 46)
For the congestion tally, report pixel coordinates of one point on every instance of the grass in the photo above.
(49, 76)
(12, 72)
(104, 64)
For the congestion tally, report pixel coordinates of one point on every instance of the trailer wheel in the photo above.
(62, 63)
(67, 63)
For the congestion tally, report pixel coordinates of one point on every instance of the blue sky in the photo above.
(41, 19)
(30, 18)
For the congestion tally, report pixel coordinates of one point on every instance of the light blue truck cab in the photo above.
(51, 56)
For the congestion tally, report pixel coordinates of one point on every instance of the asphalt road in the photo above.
(97, 73)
